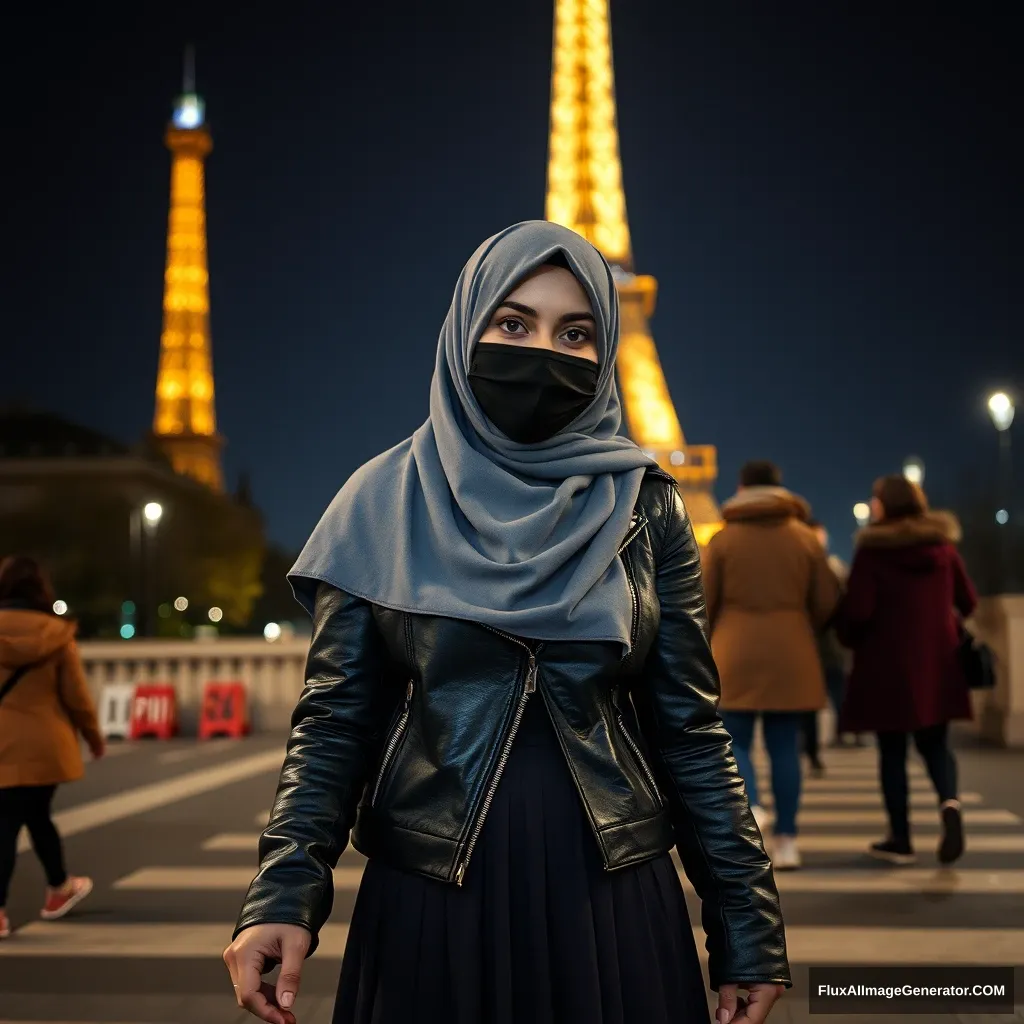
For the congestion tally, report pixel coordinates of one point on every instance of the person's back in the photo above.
(899, 618)
(769, 591)
(38, 741)
(906, 587)
(44, 704)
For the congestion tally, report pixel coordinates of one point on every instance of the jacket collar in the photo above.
(754, 503)
(927, 528)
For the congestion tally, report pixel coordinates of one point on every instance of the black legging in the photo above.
(29, 806)
(933, 746)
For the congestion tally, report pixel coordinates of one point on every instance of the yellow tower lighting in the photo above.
(585, 193)
(185, 423)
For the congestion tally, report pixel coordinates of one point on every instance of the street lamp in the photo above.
(143, 522)
(862, 513)
(913, 470)
(1001, 410)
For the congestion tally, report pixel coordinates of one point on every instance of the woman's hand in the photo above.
(761, 995)
(248, 957)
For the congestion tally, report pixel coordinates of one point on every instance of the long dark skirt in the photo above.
(539, 933)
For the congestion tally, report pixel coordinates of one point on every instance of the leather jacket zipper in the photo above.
(529, 686)
(392, 746)
(634, 595)
(638, 757)
(636, 524)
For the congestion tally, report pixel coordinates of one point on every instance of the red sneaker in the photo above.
(5, 926)
(60, 901)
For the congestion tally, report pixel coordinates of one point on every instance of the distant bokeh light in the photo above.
(60, 608)
(862, 513)
(216, 614)
(272, 631)
(1002, 517)
(127, 631)
(913, 470)
(181, 604)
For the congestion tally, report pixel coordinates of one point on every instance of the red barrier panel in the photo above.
(225, 711)
(154, 712)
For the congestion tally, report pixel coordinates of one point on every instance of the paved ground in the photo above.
(168, 832)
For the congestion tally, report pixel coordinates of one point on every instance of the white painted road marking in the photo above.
(806, 944)
(158, 794)
(856, 882)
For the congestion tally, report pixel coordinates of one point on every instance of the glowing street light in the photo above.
(272, 632)
(1001, 409)
(913, 470)
(60, 608)
(153, 512)
(862, 513)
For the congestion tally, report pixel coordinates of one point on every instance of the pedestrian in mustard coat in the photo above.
(44, 706)
(770, 591)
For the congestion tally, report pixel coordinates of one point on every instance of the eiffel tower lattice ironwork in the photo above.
(184, 422)
(585, 193)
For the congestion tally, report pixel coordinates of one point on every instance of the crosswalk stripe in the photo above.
(902, 880)
(827, 782)
(130, 802)
(858, 843)
(816, 799)
(855, 842)
(972, 816)
(806, 944)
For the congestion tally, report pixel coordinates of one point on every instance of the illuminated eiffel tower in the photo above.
(184, 424)
(585, 193)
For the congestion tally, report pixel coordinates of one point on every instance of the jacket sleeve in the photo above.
(75, 696)
(858, 604)
(334, 732)
(718, 840)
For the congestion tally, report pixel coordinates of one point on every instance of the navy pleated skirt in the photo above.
(538, 933)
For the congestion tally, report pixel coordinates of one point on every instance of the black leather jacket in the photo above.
(406, 722)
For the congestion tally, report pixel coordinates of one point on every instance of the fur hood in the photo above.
(754, 503)
(927, 528)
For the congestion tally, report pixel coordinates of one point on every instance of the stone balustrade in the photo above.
(273, 672)
(999, 713)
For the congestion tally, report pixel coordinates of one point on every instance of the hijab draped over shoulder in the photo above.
(458, 520)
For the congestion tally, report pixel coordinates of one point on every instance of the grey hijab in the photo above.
(458, 520)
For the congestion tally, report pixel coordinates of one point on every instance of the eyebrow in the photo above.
(520, 307)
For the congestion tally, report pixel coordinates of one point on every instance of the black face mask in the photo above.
(530, 394)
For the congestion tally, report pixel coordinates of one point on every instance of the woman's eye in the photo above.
(576, 336)
(507, 325)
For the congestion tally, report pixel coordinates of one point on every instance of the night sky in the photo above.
(829, 196)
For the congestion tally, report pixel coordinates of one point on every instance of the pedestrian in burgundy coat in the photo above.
(907, 591)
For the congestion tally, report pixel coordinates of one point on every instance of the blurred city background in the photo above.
(232, 239)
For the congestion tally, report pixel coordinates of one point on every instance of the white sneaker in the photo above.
(785, 855)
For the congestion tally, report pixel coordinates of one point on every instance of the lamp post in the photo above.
(1001, 409)
(144, 522)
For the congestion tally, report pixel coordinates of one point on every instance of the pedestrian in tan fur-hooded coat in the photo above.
(770, 591)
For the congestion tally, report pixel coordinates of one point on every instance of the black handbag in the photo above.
(977, 660)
